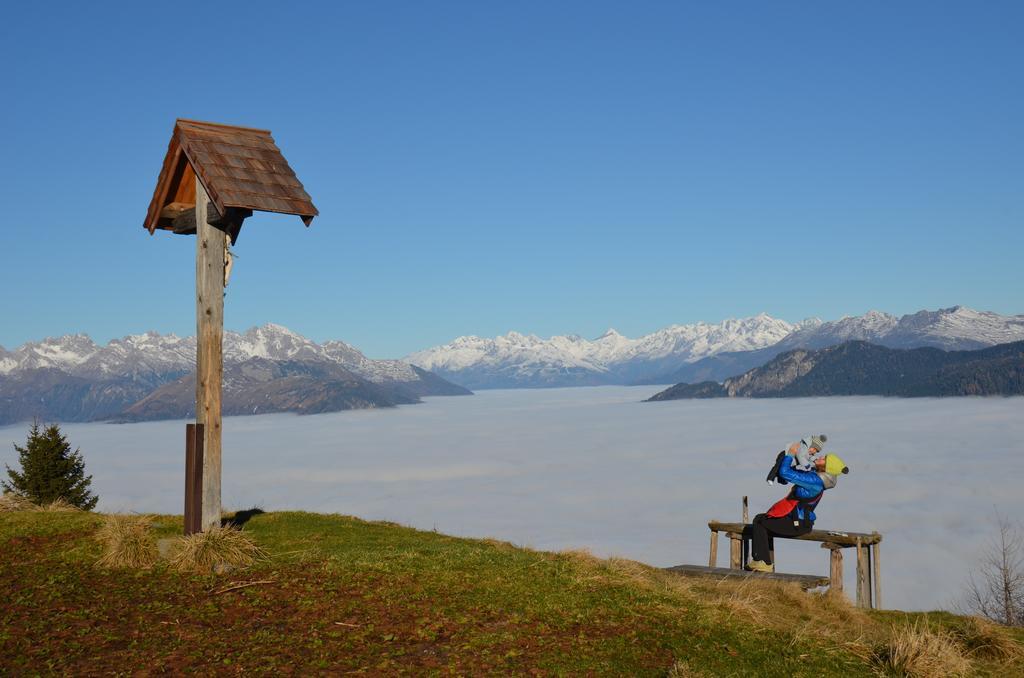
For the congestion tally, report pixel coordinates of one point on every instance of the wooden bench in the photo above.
(806, 581)
(869, 587)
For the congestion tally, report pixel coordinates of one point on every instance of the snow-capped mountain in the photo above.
(141, 355)
(956, 328)
(818, 334)
(699, 351)
(71, 378)
(527, 360)
(62, 353)
(274, 342)
(77, 354)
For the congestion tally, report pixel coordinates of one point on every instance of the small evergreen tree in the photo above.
(50, 470)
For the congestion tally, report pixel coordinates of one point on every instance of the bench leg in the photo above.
(863, 590)
(835, 569)
(878, 581)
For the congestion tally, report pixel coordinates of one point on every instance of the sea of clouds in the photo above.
(596, 468)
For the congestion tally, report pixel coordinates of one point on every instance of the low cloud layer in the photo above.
(595, 468)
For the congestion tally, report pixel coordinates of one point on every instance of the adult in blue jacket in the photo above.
(793, 515)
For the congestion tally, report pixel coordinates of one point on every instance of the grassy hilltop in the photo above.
(339, 595)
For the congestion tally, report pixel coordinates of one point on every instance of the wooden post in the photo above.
(870, 579)
(735, 551)
(863, 592)
(878, 581)
(210, 245)
(193, 478)
(713, 557)
(745, 548)
(190, 473)
(835, 567)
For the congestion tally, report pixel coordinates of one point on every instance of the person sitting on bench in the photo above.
(794, 515)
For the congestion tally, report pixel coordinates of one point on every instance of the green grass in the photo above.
(345, 595)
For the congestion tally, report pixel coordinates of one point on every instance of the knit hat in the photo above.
(834, 465)
(818, 442)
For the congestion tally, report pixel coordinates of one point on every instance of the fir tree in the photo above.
(50, 470)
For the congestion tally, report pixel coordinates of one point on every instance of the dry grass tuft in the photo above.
(984, 639)
(682, 670)
(499, 545)
(835, 605)
(747, 598)
(57, 506)
(786, 606)
(127, 542)
(214, 549)
(581, 556)
(584, 568)
(588, 569)
(918, 652)
(12, 501)
(682, 588)
(631, 570)
(832, 611)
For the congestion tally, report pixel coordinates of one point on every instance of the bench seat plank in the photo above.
(845, 539)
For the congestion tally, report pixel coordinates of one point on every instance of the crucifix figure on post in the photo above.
(213, 177)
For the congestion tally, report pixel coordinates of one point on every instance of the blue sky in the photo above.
(545, 167)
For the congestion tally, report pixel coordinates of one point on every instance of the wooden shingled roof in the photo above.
(240, 167)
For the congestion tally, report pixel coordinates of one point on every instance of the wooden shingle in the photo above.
(240, 167)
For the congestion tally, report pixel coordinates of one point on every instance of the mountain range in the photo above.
(956, 328)
(151, 376)
(272, 369)
(516, 360)
(698, 352)
(862, 368)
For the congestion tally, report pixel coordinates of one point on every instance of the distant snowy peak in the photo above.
(817, 334)
(270, 342)
(681, 343)
(377, 371)
(7, 361)
(517, 360)
(955, 328)
(55, 352)
(275, 342)
(515, 348)
(139, 354)
(693, 342)
(155, 354)
(611, 335)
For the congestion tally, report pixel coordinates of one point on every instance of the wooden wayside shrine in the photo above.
(213, 177)
(866, 545)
